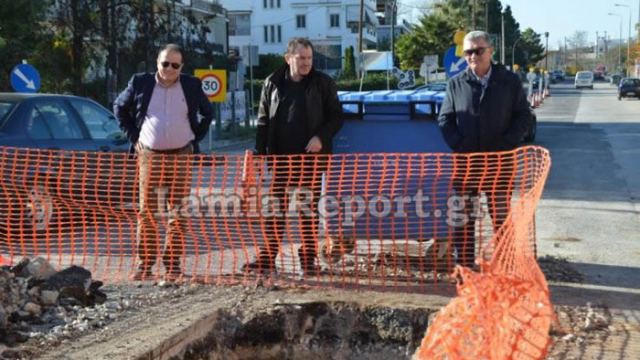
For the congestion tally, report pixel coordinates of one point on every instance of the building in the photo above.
(332, 26)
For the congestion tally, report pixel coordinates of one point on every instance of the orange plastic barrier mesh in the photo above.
(377, 221)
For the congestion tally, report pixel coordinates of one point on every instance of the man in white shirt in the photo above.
(159, 113)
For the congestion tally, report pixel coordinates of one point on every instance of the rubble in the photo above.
(41, 309)
(36, 300)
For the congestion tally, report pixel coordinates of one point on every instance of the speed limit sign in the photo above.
(214, 83)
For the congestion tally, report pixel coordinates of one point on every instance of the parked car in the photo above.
(41, 189)
(584, 79)
(629, 87)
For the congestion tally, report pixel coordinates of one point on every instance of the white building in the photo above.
(332, 26)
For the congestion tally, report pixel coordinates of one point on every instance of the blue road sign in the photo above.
(452, 63)
(25, 78)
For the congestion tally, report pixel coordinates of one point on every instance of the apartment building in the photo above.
(332, 26)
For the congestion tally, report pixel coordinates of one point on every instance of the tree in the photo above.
(432, 35)
(434, 32)
(21, 31)
(349, 70)
(531, 46)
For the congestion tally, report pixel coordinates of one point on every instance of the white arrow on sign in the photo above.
(30, 84)
(456, 65)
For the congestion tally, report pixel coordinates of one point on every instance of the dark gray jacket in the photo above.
(324, 112)
(497, 120)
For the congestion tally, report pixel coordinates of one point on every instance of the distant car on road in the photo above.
(557, 75)
(629, 87)
(42, 189)
(584, 79)
(615, 79)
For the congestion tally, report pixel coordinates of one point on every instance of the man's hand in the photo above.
(314, 145)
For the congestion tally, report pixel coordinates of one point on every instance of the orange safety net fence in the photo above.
(376, 220)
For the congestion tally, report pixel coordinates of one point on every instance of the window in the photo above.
(56, 118)
(36, 127)
(272, 33)
(239, 24)
(334, 20)
(5, 107)
(100, 123)
(264, 4)
(301, 21)
(278, 3)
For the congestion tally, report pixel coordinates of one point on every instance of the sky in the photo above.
(561, 18)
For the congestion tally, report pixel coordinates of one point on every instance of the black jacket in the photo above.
(324, 112)
(130, 108)
(495, 121)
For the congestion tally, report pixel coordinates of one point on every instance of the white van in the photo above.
(584, 79)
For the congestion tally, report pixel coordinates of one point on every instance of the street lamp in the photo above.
(546, 51)
(620, 46)
(513, 50)
(626, 68)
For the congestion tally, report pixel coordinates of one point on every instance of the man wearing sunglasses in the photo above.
(485, 110)
(159, 113)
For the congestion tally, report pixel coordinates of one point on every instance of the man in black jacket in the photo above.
(485, 110)
(159, 113)
(299, 114)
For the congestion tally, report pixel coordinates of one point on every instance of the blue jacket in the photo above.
(130, 108)
(496, 120)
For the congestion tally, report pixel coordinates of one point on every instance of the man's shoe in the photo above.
(309, 267)
(259, 267)
(142, 274)
(174, 276)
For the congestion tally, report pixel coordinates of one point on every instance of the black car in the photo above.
(629, 87)
(56, 164)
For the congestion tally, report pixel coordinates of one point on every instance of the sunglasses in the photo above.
(478, 51)
(165, 64)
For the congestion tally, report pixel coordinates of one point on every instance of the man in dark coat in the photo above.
(299, 114)
(485, 110)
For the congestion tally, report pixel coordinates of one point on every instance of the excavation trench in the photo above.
(313, 330)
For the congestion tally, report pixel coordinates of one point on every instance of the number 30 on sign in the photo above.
(214, 83)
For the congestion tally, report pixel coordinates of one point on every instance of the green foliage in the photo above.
(20, 30)
(433, 35)
(349, 69)
(434, 32)
(532, 46)
(268, 64)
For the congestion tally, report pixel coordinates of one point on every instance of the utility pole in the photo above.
(393, 31)
(546, 51)
(620, 42)
(626, 68)
(486, 15)
(473, 15)
(502, 59)
(360, 24)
